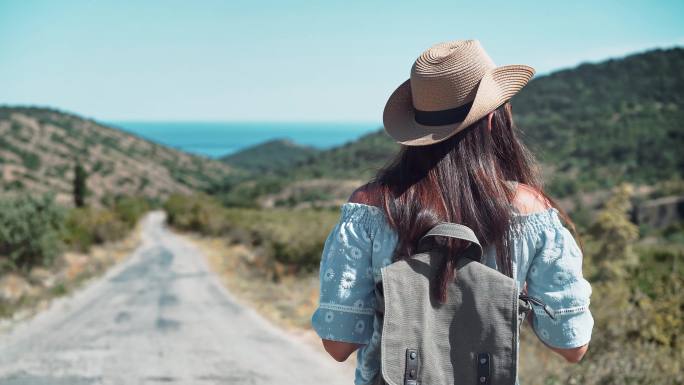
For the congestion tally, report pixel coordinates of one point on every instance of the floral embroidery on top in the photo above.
(347, 282)
(560, 277)
(359, 327)
(355, 252)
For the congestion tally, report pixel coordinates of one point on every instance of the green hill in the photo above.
(359, 158)
(619, 120)
(592, 127)
(39, 148)
(269, 156)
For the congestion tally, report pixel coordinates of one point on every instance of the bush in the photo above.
(296, 236)
(290, 237)
(199, 213)
(130, 209)
(29, 231)
(87, 226)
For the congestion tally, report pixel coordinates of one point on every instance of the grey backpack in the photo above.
(471, 339)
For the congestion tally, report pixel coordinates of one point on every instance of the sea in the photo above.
(217, 139)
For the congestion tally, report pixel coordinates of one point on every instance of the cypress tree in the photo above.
(80, 189)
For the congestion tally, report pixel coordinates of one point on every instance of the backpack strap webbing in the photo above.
(453, 230)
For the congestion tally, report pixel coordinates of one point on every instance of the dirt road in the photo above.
(159, 317)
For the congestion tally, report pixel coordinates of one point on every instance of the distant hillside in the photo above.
(269, 156)
(597, 124)
(39, 148)
(591, 127)
(594, 125)
(355, 159)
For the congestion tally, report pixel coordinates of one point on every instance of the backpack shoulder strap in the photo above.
(453, 230)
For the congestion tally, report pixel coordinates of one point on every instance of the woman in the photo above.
(462, 162)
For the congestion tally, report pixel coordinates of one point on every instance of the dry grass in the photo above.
(40, 147)
(288, 301)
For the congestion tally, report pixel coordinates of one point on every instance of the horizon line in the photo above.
(238, 121)
(673, 44)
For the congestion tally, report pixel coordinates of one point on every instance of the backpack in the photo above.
(471, 339)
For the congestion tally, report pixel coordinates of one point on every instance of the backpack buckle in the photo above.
(483, 368)
(550, 312)
(411, 370)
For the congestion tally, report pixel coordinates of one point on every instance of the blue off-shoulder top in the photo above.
(545, 256)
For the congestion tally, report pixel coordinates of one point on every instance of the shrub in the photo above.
(616, 234)
(29, 231)
(130, 209)
(200, 213)
(293, 237)
(87, 226)
(290, 237)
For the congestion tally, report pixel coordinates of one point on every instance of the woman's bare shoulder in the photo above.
(368, 194)
(529, 200)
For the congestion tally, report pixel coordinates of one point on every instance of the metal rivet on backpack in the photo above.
(483, 379)
(413, 355)
(483, 360)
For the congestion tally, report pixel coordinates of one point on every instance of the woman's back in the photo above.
(459, 146)
(545, 257)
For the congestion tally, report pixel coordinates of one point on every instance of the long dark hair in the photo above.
(461, 180)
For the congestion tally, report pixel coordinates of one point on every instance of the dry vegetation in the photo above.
(39, 148)
(23, 294)
(288, 302)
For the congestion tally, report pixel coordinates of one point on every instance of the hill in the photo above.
(592, 127)
(359, 158)
(40, 147)
(271, 155)
(618, 120)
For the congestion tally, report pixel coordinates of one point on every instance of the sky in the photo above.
(261, 60)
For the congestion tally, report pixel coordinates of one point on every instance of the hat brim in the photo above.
(496, 87)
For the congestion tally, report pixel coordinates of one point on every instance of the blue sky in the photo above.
(287, 60)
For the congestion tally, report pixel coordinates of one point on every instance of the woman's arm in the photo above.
(527, 200)
(573, 355)
(344, 317)
(340, 351)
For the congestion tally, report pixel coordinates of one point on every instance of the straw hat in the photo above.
(452, 85)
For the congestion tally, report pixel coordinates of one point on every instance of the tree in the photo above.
(616, 234)
(80, 189)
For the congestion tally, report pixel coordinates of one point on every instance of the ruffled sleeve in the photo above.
(346, 303)
(555, 277)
